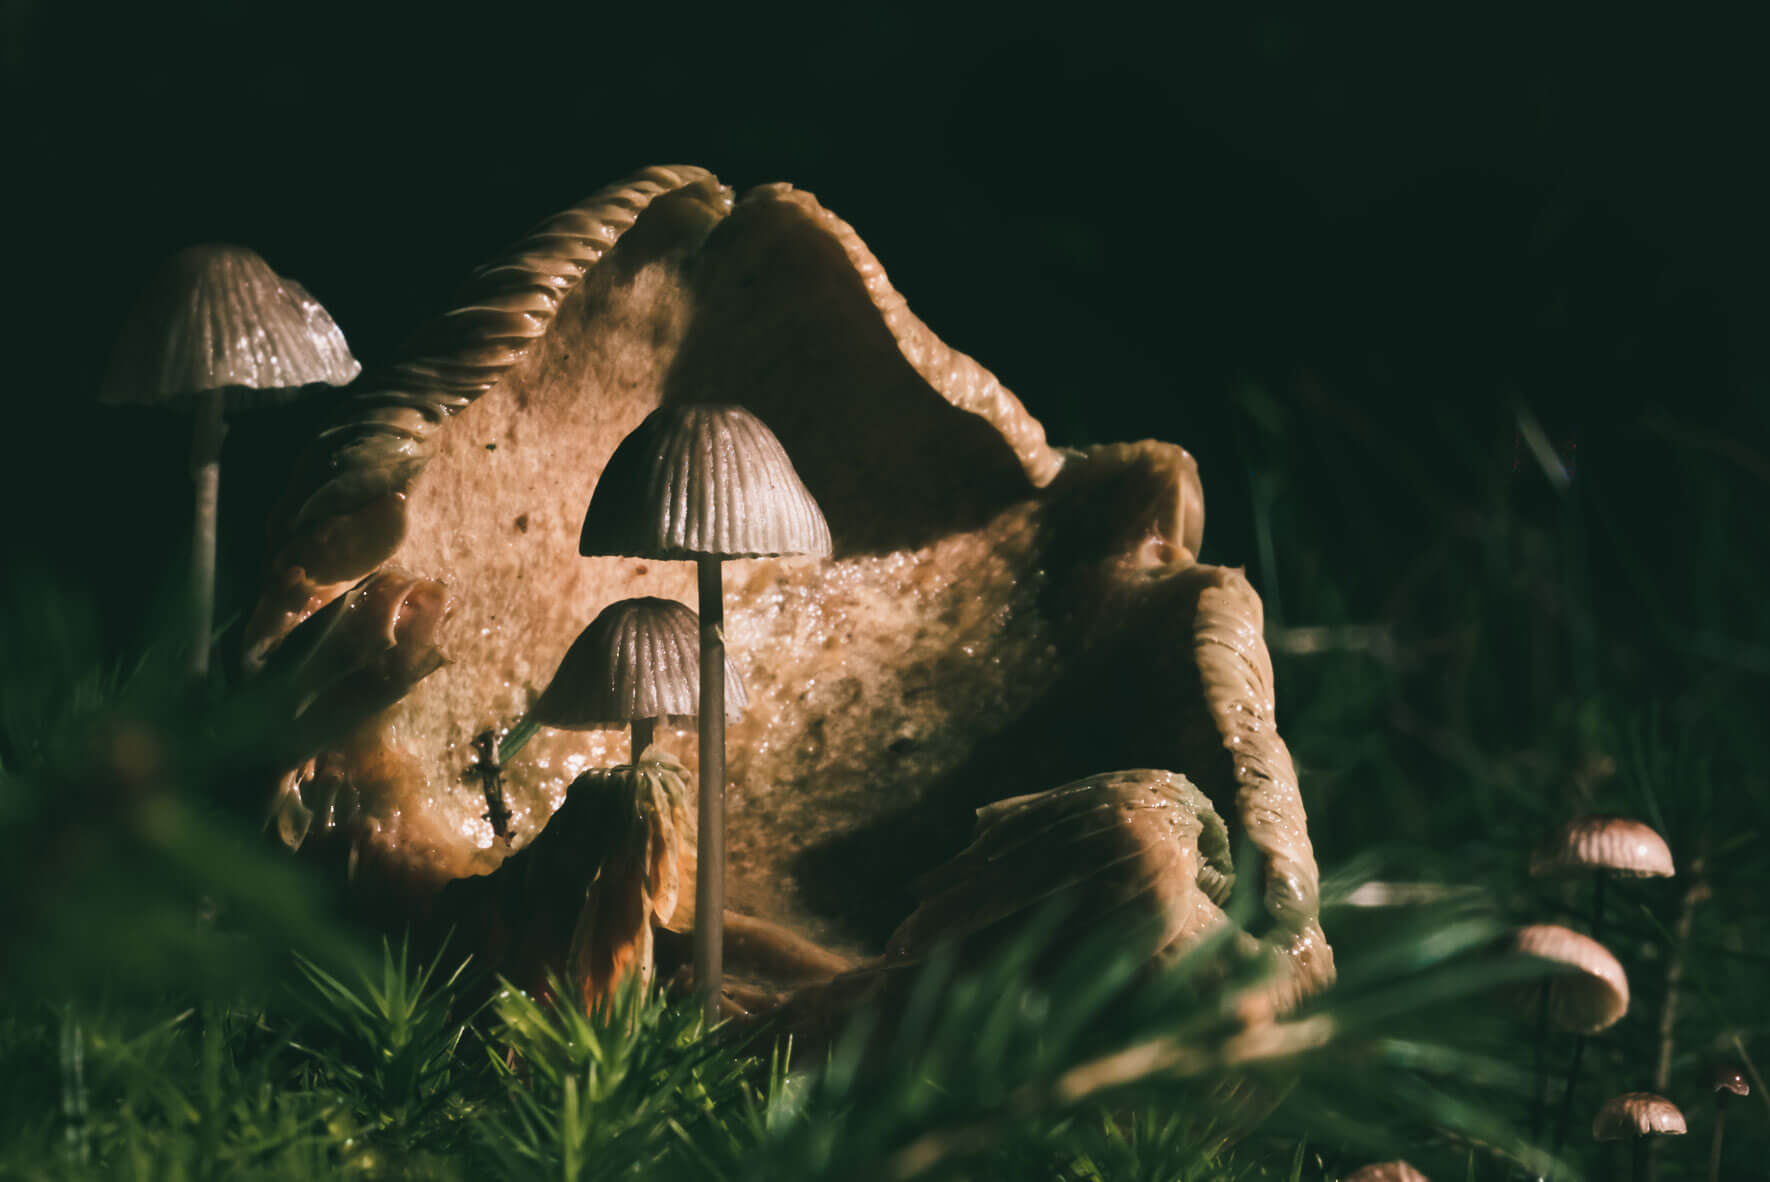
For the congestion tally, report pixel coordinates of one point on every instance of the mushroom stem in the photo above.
(206, 439)
(1638, 1159)
(1599, 877)
(1715, 1144)
(1539, 1108)
(643, 731)
(709, 889)
(513, 740)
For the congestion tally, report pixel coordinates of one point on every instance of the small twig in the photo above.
(491, 781)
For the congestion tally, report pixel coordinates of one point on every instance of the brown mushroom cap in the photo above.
(1617, 844)
(639, 658)
(217, 317)
(1387, 1171)
(1589, 990)
(1725, 1077)
(1637, 1114)
(702, 480)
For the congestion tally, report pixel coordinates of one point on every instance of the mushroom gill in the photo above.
(999, 616)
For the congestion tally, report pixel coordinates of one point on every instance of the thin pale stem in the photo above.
(1565, 1120)
(1539, 1108)
(206, 439)
(1715, 1143)
(709, 896)
(644, 729)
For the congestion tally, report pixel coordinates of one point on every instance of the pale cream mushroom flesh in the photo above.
(1000, 617)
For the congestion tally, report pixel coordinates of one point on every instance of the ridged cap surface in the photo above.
(1592, 992)
(1617, 844)
(639, 658)
(217, 317)
(1637, 1114)
(701, 480)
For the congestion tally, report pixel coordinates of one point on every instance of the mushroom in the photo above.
(636, 663)
(1003, 613)
(1587, 988)
(1386, 1171)
(217, 329)
(707, 482)
(1586, 992)
(579, 901)
(1637, 1116)
(1725, 1079)
(1604, 846)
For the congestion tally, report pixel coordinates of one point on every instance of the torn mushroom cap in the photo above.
(1616, 844)
(645, 838)
(217, 317)
(1637, 1114)
(1725, 1077)
(1387, 1171)
(702, 480)
(639, 658)
(1588, 990)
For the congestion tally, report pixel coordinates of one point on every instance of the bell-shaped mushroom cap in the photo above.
(1387, 1171)
(1637, 1114)
(1617, 844)
(1725, 1077)
(1588, 990)
(217, 317)
(639, 658)
(702, 480)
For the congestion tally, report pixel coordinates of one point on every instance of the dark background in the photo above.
(1403, 225)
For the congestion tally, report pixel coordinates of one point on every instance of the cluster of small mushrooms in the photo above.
(1587, 990)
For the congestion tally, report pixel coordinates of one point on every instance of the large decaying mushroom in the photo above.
(218, 330)
(998, 614)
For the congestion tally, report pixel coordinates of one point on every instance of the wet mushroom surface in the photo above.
(1000, 617)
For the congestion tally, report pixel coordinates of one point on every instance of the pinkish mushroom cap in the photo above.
(1637, 1114)
(1588, 989)
(1619, 845)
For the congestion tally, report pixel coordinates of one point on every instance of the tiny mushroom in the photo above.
(1637, 1116)
(636, 663)
(1387, 1171)
(708, 483)
(1725, 1079)
(1604, 846)
(1588, 990)
(217, 329)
